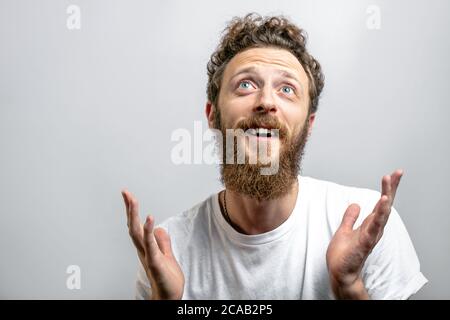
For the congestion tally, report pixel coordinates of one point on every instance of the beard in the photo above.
(246, 178)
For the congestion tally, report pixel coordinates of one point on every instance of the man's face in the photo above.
(264, 87)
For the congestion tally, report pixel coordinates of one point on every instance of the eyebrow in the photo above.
(283, 73)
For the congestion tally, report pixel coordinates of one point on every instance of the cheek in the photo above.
(241, 104)
(234, 111)
(295, 120)
(227, 118)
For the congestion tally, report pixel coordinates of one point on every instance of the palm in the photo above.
(349, 248)
(163, 271)
(348, 251)
(155, 253)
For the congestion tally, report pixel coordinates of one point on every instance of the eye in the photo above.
(244, 84)
(287, 89)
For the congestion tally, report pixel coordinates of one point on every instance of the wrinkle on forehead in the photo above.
(269, 57)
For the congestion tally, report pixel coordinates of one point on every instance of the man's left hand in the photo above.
(349, 248)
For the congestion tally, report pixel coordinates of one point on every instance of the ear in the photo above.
(209, 111)
(312, 117)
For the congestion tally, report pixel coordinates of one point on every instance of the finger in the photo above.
(386, 187)
(163, 240)
(135, 227)
(135, 222)
(127, 205)
(350, 216)
(150, 245)
(125, 198)
(380, 216)
(377, 205)
(395, 181)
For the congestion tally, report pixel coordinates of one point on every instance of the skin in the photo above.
(264, 90)
(349, 247)
(155, 253)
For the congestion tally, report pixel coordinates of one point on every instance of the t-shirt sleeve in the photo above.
(392, 270)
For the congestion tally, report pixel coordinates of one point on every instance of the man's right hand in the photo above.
(155, 252)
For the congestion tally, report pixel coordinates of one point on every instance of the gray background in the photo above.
(85, 113)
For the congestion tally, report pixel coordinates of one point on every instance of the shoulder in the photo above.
(328, 190)
(184, 222)
(333, 198)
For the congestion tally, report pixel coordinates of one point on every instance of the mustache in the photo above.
(263, 121)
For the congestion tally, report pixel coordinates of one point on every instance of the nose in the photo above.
(266, 102)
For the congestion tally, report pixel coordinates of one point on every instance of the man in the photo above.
(278, 235)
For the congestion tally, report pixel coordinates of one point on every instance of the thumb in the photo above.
(163, 240)
(350, 216)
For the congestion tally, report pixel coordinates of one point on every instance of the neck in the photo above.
(251, 216)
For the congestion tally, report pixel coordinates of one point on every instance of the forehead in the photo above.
(267, 59)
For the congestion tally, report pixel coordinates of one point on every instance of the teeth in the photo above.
(263, 132)
(259, 132)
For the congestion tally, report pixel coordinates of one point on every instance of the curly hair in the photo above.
(254, 31)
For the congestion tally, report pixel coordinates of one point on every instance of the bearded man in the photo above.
(273, 235)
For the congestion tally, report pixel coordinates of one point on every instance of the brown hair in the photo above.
(254, 31)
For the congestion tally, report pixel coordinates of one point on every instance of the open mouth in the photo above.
(260, 132)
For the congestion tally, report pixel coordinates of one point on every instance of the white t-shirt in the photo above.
(288, 262)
